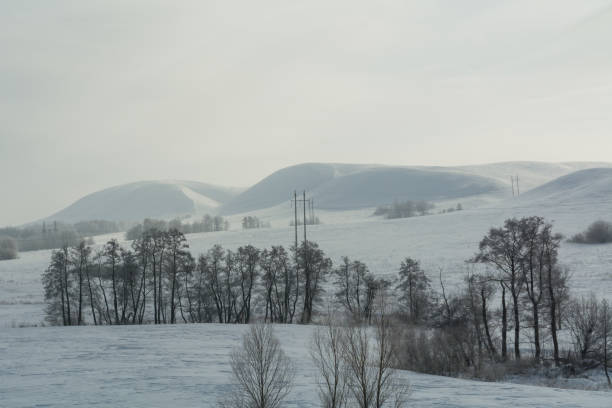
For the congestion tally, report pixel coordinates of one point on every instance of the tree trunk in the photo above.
(91, 298)
(517, 327)
(66, 288)
(553, 317)
(504, 325)
(536, 331)
(485, 321)
(115, 294)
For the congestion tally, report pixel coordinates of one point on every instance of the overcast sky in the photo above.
(99, 93)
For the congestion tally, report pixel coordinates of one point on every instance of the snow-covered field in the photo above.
(187, 366)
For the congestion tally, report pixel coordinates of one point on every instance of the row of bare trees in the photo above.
(158, 281)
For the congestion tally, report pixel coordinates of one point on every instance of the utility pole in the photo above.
(306, 204)
(512, 181)
(304, 216)
(295, 221)
(518, 191)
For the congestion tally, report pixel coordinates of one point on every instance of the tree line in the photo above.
(53, 235)
(157, 280)
(253, 222)
(404, 209)
(208, 223)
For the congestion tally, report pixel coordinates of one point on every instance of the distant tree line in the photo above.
(310, 220)
(99, 227)
(42, 236)
(458, 207)
(253, 222)
(404, 209)
(55, 234)
(208, 223)
(599, 232)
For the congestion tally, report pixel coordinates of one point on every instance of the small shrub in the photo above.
(599, 232)
(8, 248)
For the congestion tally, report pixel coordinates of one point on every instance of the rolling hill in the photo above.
(583, 186)
(351, 186)
(340, 187)
(135, 201)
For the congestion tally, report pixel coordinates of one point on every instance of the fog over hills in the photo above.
(135, 201)
(344, 187)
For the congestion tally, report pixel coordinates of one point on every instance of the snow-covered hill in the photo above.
(354, 186)
(135, 201)
(531, 174)
(188, 366)
(332, 187)
(584, 186)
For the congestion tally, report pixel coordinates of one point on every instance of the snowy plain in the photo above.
(187, 366)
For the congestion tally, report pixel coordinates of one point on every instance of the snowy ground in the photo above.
(187, 366)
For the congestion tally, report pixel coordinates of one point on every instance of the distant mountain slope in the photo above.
(135, 201)
(351, 186)
(279, 186)
(531, 174)
(383, 185)
(583, 186)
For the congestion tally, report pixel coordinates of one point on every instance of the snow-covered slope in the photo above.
(278, 186)
(383, 185)
(135, 201)
(531, 174)
(354, 186)
(188, 366)
(348, 186)
(583, 186)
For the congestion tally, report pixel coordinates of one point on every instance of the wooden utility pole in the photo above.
(512, 181)
(306, 204)
(295, 220)
(304, 198)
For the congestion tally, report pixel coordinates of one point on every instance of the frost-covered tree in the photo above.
(263, 374)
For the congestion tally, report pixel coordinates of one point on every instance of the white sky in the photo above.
(99, 93)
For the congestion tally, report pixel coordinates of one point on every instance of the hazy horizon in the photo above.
(101, 93)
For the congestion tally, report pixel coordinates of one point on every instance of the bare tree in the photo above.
(247, 262)
(263, 373)
(315, 267)
(326, 352)
(504, 249)
(79, 257)
(371, 378)
(357, 288)
(415, 289)
(58, 288)
(583, 322)
(279, 285)
(606, 337)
